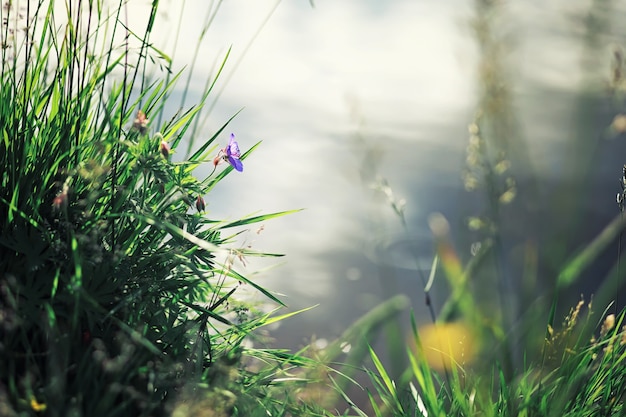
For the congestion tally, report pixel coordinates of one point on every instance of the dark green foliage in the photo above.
(116, 295)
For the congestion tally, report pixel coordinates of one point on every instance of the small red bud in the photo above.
(200, 204)
(86, 337)
(141, 122)
(165, 149)
(60, 201)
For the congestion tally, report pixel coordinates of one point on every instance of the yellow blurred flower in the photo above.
(37, 406)
(445, 344)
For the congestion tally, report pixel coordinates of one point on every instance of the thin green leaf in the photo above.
(256, 219)
(391, 386)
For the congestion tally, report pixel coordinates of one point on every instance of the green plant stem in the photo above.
(573, 269)
(360, 336)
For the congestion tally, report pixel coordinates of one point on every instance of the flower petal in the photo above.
(233, 147)
(236, 163)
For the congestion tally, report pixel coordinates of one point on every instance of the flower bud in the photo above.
(141, 122)
(60, 201)
(165, 149)
(200, 205)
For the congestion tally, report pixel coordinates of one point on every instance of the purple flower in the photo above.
(232, 153)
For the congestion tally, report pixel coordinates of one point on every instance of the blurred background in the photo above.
(363, 105)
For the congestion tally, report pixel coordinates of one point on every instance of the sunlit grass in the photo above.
(576, 378)
(121, 296)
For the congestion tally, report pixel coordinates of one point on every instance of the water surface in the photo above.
(354, 90)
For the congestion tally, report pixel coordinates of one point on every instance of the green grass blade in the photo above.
(256, 219)
(571, 272)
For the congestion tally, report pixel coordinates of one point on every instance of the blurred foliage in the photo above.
(495, 347)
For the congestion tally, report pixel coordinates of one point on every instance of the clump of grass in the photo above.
(118, 293)
(585, 379)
